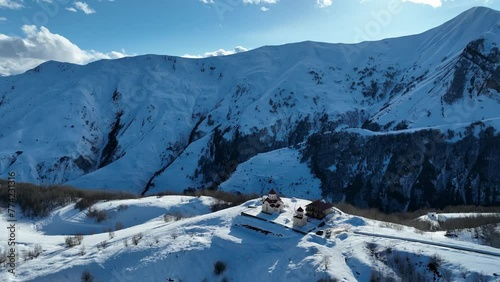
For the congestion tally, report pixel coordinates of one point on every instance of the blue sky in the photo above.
(82, 31)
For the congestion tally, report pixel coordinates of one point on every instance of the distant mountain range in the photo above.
(396, 124)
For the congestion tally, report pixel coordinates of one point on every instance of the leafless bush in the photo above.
(36, 200)
(3, 257)
(400, 263)
(118, 225)
(228, 197)
(469, 222)
(174, 216)
(35, 252)
(219, 267)
(111, 234)
(408, 218)
(220, 205)
(82, 250)
(136, 238)
(72, 241)
(87, 276)
(478, 277)
(392, 226)
(328, 279)
(98, 215)
(122, 207)
(491, 235)
(102, 245)
(372, 247)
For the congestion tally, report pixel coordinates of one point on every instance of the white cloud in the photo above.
(433, 3)
(39, 45)
(84, 7)
(11, 4)
(3, 19)
(220, 52)
(264, 9)
(260, 1)
(324, 3)
(255, 2)
(71, 9)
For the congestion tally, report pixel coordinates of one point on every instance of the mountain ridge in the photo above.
(152, 123)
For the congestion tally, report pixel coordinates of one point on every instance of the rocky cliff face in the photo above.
(408, 170)
(389, 124)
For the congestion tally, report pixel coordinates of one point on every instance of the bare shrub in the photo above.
(79, 238)
(71, 241)
(372, 247)
(491, 235)
(136, 238)
(35, 252)
(82, 250)
(226, 199)
(85, 203)
(87, 276)
(111, 234)
(478, 277)
(119, 225)
(174, 216)
(219, 267)
(394, 226)
(220, 205)
(408, 218)
(98, 215)
(102, 245)
(469, 222)
(122, 207)
(3, 257)
(167, 217)
(39, 201)
(328, 279)
(401, 264)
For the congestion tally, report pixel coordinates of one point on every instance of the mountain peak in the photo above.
(475, 17)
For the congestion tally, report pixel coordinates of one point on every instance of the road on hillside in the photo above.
(456, 247)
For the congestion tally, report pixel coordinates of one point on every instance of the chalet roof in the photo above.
(300, 209)
(272, 192)
(321, 205)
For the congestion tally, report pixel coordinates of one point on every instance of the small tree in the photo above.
(87, 277)
(219, 267)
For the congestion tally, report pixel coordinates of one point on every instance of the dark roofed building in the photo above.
(299, 219)
(319, 209)
(272, 203)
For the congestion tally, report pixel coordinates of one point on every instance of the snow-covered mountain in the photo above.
(251, 249)
(396, 123)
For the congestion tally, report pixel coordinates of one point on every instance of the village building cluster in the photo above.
(318, 209)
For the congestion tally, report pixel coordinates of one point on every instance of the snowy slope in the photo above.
(187, 250)
(289, 174)
(152, 123)
(70, 221)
